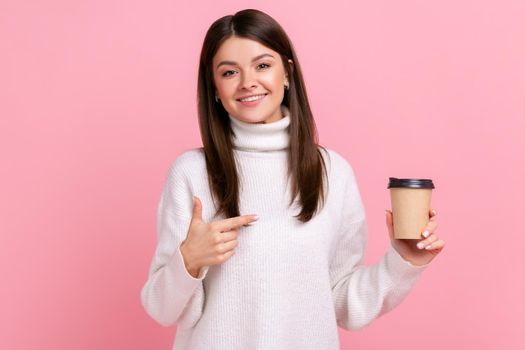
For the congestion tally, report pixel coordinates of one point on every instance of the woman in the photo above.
(286, 279)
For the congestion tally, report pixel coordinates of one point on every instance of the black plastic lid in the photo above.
(410, 183)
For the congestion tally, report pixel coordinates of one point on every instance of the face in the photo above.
(243, 67)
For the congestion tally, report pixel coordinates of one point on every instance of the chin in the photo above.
(243, 117)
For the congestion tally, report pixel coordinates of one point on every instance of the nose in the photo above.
(247, 81)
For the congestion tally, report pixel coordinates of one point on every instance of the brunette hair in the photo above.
(305, 162)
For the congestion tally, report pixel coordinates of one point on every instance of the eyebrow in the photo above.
(235, 63)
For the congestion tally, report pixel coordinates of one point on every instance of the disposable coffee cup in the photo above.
(410, 199)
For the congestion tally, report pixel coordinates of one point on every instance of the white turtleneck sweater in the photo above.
(289, 284)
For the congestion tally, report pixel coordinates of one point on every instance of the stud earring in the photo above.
(216, 98)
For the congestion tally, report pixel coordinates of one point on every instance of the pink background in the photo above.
(98, 97)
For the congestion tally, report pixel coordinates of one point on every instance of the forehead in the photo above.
(241, 50)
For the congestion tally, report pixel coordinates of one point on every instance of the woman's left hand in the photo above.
(417, 252)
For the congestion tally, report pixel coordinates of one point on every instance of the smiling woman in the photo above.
(250, 72)
(288, 277)
(259, 82)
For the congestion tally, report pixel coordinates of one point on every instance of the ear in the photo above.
(291, 64)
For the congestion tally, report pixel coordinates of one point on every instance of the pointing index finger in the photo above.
(238, 221)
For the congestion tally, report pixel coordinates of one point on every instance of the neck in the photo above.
(261, 137)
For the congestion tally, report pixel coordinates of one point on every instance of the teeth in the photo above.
(253, 98)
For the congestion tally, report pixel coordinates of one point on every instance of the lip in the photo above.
(252, 103)
(251, 96)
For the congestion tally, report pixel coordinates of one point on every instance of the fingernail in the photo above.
(255, 217)
(386, 212)
(428, 247)
(420, 245)
(434, 211)
(425, 233)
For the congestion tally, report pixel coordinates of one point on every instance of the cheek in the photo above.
(225, 88)
(273, 82)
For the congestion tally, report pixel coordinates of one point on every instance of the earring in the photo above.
(216, 98)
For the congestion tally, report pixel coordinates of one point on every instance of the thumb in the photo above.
(389, 223)
(197, 209)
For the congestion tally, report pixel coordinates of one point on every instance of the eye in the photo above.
(225, 74)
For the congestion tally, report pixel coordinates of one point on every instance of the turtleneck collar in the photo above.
(261, 137)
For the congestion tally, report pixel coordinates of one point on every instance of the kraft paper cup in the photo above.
(410, 199)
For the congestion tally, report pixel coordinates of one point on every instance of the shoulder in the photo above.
(339, 166)
(187, 164)
(188, 160)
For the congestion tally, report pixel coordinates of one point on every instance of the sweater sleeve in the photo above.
(363, 293)
(171, 295)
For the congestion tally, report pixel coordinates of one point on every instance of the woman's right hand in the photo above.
(211, 243)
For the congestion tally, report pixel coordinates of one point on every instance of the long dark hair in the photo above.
(305, 162)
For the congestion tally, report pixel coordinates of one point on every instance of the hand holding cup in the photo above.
(412, 219)
(417, 252)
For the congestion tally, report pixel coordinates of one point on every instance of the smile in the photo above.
(252, 98)
(252, 101)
